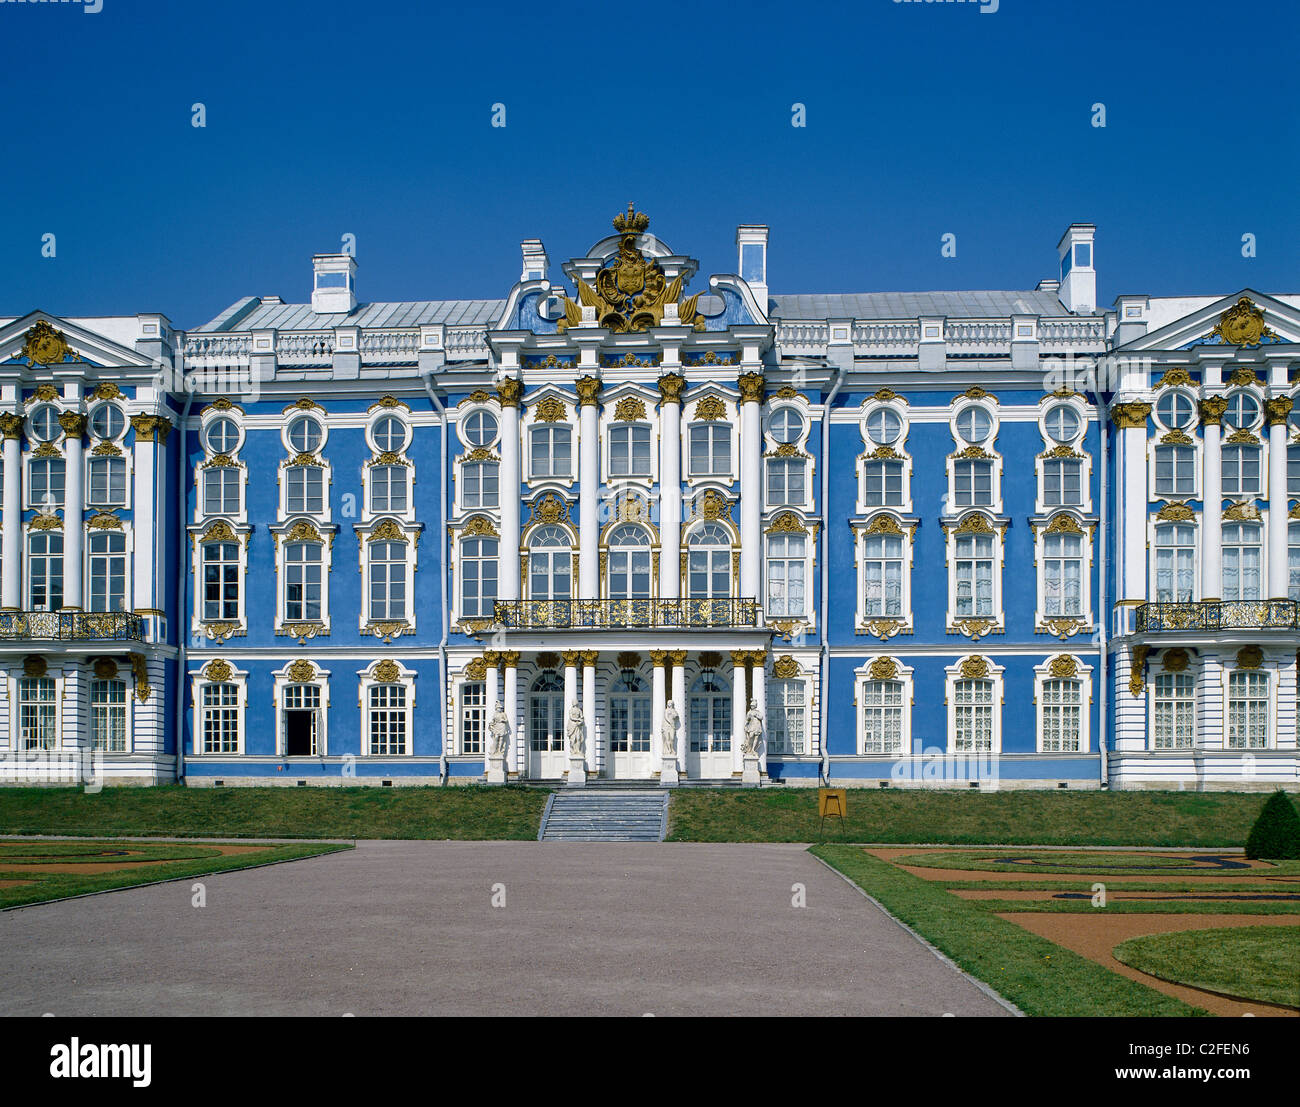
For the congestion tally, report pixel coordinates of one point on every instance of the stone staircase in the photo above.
(605, 815)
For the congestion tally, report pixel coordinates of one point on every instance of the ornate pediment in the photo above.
(1243, 325)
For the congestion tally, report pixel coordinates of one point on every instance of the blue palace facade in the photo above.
(631, 523)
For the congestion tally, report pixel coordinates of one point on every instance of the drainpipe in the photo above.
(1103, 612)
(443, 765)
(183, 569)
(823, 699)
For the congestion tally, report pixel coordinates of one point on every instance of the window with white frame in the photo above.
(44, 571)
(389, 433)
(107, 421)
(786, 481)
(303, 582)
(44, 424)
(304, 490)
(1242, 411)
(786, 571)
(221, 577)
(479, 428)
(219, 718)
(388, 488)
(974, 554)
(1063, 482)
(1063, 575)
(473, 716)
(551, 451)
(974, 424)
(883, 560)
(785, 424)
(1175, 555)
(107, 481)
(108, 731)
(1293, 562)
(1293, 471)
(787, 717)
(1242, 556)
(305, 435)
(478, 577)
(1062, 423)
(1061, 715)
(221, 489)
(38, 713)
(1175, 411)
(973, 483)
(108, 571)
(221, 435)
(629, 450)
(550, 564)
(973, 707)
(480, 482)
(1241, 470)
(882, 717)
(301, 720)
(46, 487)
(710, 450)
(884, 483)
(884, 426)
(1175, 470)
(1248, 709)
(629, 564)
(708, 563)
(1173, 711)
(386, 725)
(388, 581)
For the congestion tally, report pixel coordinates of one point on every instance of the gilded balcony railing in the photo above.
(634, 614)
(1153, 618)
(71, 626)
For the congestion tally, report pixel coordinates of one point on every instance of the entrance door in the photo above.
(301, 711)
(547, 759)
(629, 731)
(708, 756)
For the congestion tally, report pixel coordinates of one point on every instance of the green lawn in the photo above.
(1038, 976)
(1046, 818)
(179, 812)
(176, 862)
(1257, 962)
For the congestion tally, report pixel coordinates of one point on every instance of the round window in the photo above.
(974, 424)
(304, 435)
(1175, 410)
(107, 421)
(785, 424)
(390, 434)
(1242, 412)
(480, 428)
(1063, 423)
(45, 424)
(222, 435)
(884, 426)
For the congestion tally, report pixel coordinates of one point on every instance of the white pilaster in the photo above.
(589, 489)
(509, 390)
(74, 530)
(516, 754)
(1277, 513)
(589, 707)
(144, 519)
(657, 683)
(1212, 500)
(739, 705)
(758, 693)
(679, 698)
(491, 681)
(751, 481)
(11, 589)
(670, 486)
(1132, 418)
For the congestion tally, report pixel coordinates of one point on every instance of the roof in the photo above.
(253, 314)
(912, 305)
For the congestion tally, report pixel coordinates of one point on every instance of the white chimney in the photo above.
(751, 241)
(1078, 290)
(333, 291)
(535, 260)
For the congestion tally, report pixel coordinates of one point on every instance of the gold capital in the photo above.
(751, 388)
(1130, 415)
(510, 658)
(11, 425)
(1212, 409)
(74, 425)
(658, 657)
(1277, 410)
(509, 391)
(589, 657)
(588, 391)
(678, 657)
(671, 387)
(571, 658)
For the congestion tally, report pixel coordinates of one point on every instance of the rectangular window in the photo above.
(47, 484)
(710, 454)
(305, 490)
(1062, 575)
(221, 581)
(45, 571)
(1240, 471)
(473, 716)
(480, 484)
(974, 575)
(302, 583)
(629, 451)
(882, 718)
(1063, 483)
(219, 718)
(1175, 470)
(884, 484)
(974, 483)
(221, 491)
(1242, 555)
(883, 565)
(1062, 716)
(108, 715)
(551, 451)
(786, 717)
(973, 716)
(786, 591)
(388, 581)
(1175, 564)
(478, 578)
(1293, 471)
(1247, 710)
(107, 481)
(1293, 562)
(1174, 721)
(388, 488)
(108, 571)
(786, 486)
(387, 720)
(38, 714)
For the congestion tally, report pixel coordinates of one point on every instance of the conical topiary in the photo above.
(1276, 833)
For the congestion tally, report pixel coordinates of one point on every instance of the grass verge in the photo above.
(1038, 976)
(1260, 963)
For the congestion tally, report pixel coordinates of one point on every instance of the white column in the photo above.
(74, 530)
(758, 693)
(1278, 409)
(509, 390)
(11, 589)
(515, 756)
(492, 658)
(678, 658)
(589, 706)
(143, 511)
(571, 690)
(739, 705)
(1132, 421)
(751, 482)
(589, 488)
(658, 658)
(670, 486)
(1212, 408)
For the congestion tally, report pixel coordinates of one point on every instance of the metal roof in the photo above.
(911, 305)
(250, 314)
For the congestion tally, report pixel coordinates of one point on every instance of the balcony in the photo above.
(1154, 618)
(681, 614)
(71, 626)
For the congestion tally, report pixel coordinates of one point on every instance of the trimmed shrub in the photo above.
(1276, 833)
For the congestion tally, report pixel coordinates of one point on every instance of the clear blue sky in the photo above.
(325, 118)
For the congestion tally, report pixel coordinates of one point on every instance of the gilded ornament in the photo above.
(630, 292)
(1131, 415)
(1061, 451)
(629, 660)
(480, 453)
(1242, 511)
(678, 657)
(306, 403)
(1064, 628)
(1176, 513)
(572, 658)
(218, 671)
(476, 669)
(884, 453)
(480, 525)
(47, 449)
(302, 671)
(709, 409)
(751, 388)
(109, 391)
(1063, 667)
(300, 460)
(73, 424)
(785, 392)
(388, 457)
(712, 505)
(43, 345)
(105, 669)
(708, 660)
(11, 425)
(974, 629)
(1250, 657)
(883, 668)
(1175, 660)
(220, 531)
(977, 452)
(974, 668)
(34, 666)
(658, 658)
(106, 449)
(551, 509)
(884, 395)
(47, 392)
(551, 410)
(1176, 376)
(590, 657)
(785, 667)
(219, 632)
(478, 396)
(883, 524)
(387, 672)
(975, 392)
(629, 409)
(1063, 524)
(509, 391)
(671, 386)
(1242, 324)
(387, 402)
(1212, 409)
(1277, 410)
(46, 522)
(975, 524)
(548, 660)
(1136, 671)
(739, 658)
(787, 449)
(588, 391)
(787, 523)
(510, 658)
(1242, 377)
(304, 532)
(1242, 438)
(104, 520)
(884, 628)
(387, 531)
(1176, 437)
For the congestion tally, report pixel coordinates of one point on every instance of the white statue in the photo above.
(499, 729)
(577, 732)
(753, 730)
(669, 729)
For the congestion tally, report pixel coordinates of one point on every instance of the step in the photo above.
(605, 816)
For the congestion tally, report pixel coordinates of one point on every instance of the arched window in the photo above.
(550, 564)
(1241, 561)
(629, 564)
(710, 708)
(709, 563)
(1175, 563)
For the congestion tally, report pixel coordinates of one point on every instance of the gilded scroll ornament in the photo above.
(974, 668)
(751, 388)
(1242, 324)
(1063, 667)
(709, 409)
(43, 345)
(1131, 415)
(549, 409)
(785, 667)
(510, 391)
(588, 391)
(883, 668)
(387, 672)
(671, 386)
(302, 671)
(218, 671)
(1212, 409)
(629, 409)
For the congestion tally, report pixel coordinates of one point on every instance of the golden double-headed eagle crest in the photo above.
(631, 291)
